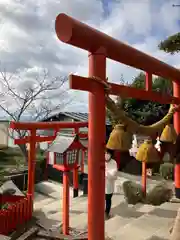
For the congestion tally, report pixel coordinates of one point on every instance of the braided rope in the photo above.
(119, 115)
(106, 85)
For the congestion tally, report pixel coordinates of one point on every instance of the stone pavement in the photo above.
(2, 237)
(140, 221)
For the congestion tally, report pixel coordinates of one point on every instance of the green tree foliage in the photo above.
(171, 44)
(146, 112)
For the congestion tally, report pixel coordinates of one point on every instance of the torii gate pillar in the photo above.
(96, 136)
(176, 92)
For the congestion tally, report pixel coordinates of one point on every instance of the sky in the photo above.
(28, 42)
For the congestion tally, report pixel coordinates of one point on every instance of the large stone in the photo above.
(9, 191)
(133, 192)
(10, 188)
(161, 193)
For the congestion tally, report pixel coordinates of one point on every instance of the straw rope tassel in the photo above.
(147, 152)
(119, 139)
(169, 134)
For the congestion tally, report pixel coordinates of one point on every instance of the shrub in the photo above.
(3, 156)
(12, 151)
(4, 206)
(133, 192)
(167, 171)
(161, 193)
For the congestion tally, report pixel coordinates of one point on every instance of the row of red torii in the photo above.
(100, 47)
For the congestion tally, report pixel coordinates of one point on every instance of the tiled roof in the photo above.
(61, 143)
(82, 117)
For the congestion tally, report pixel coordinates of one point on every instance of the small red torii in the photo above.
(32, 139)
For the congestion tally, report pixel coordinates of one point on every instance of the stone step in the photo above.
(79, 221)
(42, 203)
(47, 187)
(122, 208)
(117, 199)
(124, 215)
(162, 233)
(77, 208)
(169, 206)
(41, 200)
(137, 222)
(58, 216)
(80, 206)
(52, 189)
(79, 203)
(113, 224)
(142, 228)
(144, 208)
(126, 210)
(48, 224)
(49, 220)
(39, 197)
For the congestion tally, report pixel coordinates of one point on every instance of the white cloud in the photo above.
(28, 40)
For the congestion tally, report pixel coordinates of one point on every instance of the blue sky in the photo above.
(28, 42)
(155, 6)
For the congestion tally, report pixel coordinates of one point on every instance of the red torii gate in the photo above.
(101, 46)
(32, 139)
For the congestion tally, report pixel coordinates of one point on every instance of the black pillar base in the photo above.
(75, 192)
(177, 192)
(85, 185)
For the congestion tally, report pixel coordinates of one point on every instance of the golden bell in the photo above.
(168, 134)
(119, 139)
(147, 152)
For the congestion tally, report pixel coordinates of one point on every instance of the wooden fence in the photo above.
(16, 211)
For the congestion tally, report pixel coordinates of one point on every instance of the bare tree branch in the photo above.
(5, 81)
(33, 100)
